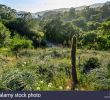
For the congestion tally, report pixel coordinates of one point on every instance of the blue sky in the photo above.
(41, 5)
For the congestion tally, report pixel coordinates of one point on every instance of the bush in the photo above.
(18, 80)
(103, 42)
(4, 35)
(99, 79)
(56, 54)
(89, 40)
(46, 72)
(20, 43)
(90, 64)
(108, 68)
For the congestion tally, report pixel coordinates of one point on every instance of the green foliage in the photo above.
(18, 43)
(40, 69)
(30, 29)
(108, 68)
(89, 40)
(90, 64)
(81, 23)
(105, 27)
(4, 35)
(53, 30)
(56, 31)
(26, 72)
(7, 13)
(98, 40)
(87, 12)
(17, 80)
(59, 27)
(106, 10)
(103, 42)
(92, 25)
(99, 79)
(72, 13)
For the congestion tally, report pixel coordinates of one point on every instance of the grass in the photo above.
(50, 69)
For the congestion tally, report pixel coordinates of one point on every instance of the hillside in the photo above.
(65, 9)
(49, 12)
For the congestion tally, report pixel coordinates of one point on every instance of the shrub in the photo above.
(56, 54)
(4, 35)
(90, 64)
(89, 40)
(98, 79)
(17, 80)
(16, 84)
(108, 68)
(46, 72)
(20, 43)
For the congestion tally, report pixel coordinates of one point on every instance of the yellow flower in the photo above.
(60, 87)
(68, 88)
(50, 85)
(38, 88)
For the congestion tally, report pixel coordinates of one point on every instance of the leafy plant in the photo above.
(90, 64)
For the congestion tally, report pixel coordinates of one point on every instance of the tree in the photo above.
(89, 40)
(103, 42)
(18, 43)
(105, 10)
(80, 22)
(92, 25)
(87, 12)
(72, 13)
(57, 31)
(69, 30)
(30, 29)
(7, 13)
(53, 30)
(4, 35)
(25, 15)
(105, 27)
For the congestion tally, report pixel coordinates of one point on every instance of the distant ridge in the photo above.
(66, 9)
(55, 11)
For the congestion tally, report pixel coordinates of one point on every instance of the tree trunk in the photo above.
(73, 61)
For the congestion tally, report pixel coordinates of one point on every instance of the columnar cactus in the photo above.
(73, 61)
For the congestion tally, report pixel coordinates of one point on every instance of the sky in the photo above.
(42, 5)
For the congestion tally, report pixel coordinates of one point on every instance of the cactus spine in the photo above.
(73, 61)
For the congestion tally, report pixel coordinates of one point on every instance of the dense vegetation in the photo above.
(26, 62)
(50, 69)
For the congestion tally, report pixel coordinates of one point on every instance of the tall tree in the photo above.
(106, 10)
(72, 13)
